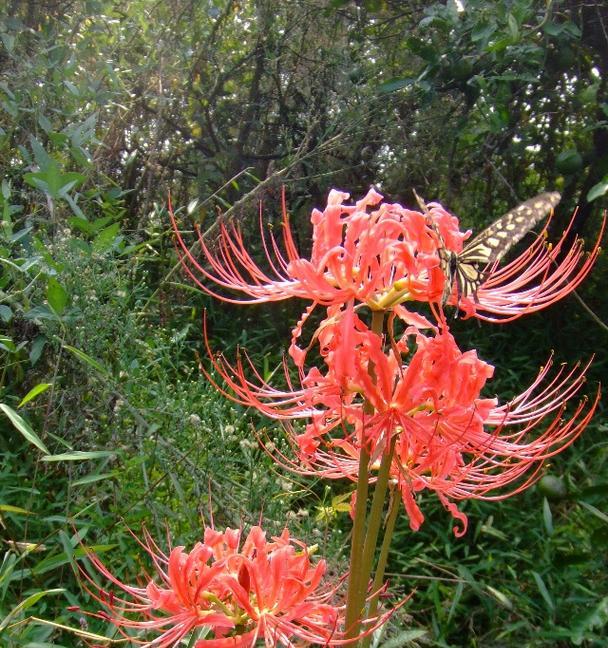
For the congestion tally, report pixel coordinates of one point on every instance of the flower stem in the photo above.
(389, 527)
(375, 519)
(353, 609)
(356, 580)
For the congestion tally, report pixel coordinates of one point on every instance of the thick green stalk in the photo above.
(389, 527)
(354, 604)
(375, 520)
(353, 610)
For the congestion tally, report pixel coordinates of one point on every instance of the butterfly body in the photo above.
(468, 268)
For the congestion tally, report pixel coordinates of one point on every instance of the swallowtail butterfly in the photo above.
(490, 245)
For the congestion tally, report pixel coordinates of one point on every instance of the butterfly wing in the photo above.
(494, 242)
(469, 276)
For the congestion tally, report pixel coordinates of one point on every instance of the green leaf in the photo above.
(406, 638)
(421, 48)
(43, 159)
(104, 240)
(483, 31)
(598, 190)
(52, 562)
(544, 592)
(56, 295)
(79, 632)
(513, 27)
(9, 508)
(553, 29)
(72, 203)
(99, 223)
(37, 181)
(7, 344)
(394, 84)
(569, 161)
(6, 572)
(192, 205)
(37, 348)
(598, 514)
(6, 313)
(58, 139)
(82, 134)
(500, 597)
(82, 225)
(81, 355)
(82, 157)
(68, 545)
(22, 426)
(45, 123)
(70, 180)
(573, 29)
(596, 618)
(547, 517)
(90, 479)
(6, 189)
(78, 455)
(455, 600)
(33, 392)
(499, 45)
(466, 575)
(27, 603)
(53, 181)
(71, 87)
(8, 40)
(41, 312)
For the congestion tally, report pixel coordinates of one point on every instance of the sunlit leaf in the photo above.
(6, 344)
(27, 603)
(9, 508)
(598, 190)
(504, 600)
(81, 355)
(56, 295)
(23, 427)
(90, 479)
(78, 455)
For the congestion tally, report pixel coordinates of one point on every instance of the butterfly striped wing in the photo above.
(490, 245)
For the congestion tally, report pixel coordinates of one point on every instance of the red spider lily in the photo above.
(263, 590)
(383, 257)
(535, 279)
(449, 439)
(380, 257)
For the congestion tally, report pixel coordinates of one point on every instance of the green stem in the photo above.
(354, 604)
(375, 521)
(389, 527)
(353, 611)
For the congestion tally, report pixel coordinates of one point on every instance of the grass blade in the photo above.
(22, 426)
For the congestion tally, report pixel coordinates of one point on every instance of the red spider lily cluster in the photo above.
(425, 392)
(419, 388)
(238, 592)
(393, 402)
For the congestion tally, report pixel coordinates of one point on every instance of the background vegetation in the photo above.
(107, 106)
